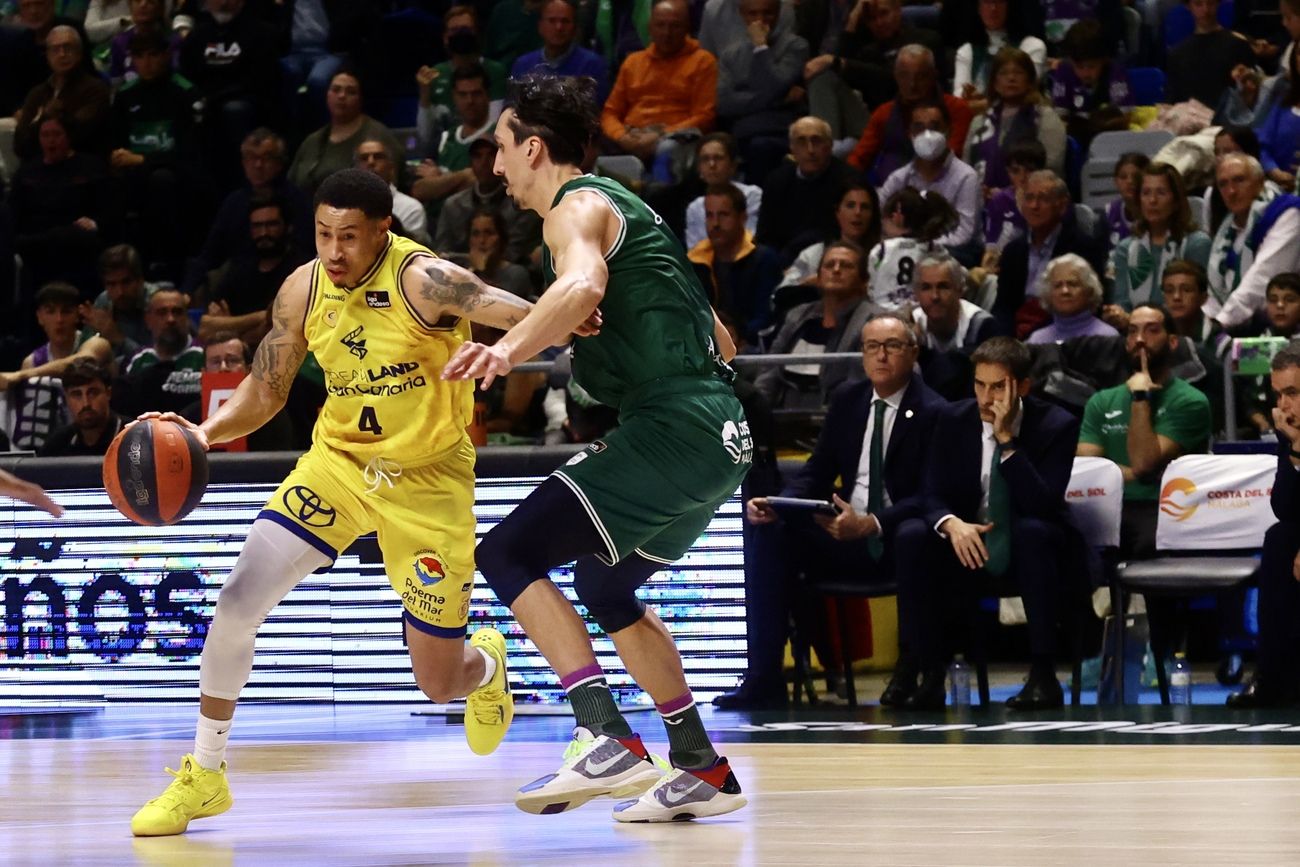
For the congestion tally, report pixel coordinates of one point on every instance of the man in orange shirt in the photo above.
(885, 145)
(666, 95)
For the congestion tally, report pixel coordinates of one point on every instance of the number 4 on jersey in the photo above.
(369, 421)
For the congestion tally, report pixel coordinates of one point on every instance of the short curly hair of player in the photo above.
(357, 189)
(561, 111)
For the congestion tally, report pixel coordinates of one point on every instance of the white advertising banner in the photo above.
(1210, 502)
(1096, 498)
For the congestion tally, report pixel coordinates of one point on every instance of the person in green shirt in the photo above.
(1148, 421)
(449, 171)
(460, 36)
(331, 148)
(1142, 425)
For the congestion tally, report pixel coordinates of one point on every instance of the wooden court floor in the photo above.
(393, 789)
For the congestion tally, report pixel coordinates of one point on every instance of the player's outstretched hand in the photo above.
(199, 433)
(478, 361)
(28, 492)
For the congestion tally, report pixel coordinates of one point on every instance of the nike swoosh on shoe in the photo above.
(672, 796)
(595, 768)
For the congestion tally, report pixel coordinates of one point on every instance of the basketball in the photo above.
(155, 472)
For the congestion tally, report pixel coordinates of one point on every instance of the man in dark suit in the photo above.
(995, 504)
(874, 442)
(1051, 231)
(1275, 683)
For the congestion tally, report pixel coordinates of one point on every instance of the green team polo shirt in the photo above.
(1182, 413)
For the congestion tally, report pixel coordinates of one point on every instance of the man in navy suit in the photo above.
(1275, 683)
(869, 461)
(995, 504)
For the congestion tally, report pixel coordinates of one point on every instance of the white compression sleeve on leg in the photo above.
(271, 564)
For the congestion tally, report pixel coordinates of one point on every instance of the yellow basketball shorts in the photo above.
(423, 517)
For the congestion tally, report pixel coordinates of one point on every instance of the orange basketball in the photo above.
(155, 472)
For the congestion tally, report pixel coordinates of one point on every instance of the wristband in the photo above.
(1141, 396)
(1295, 454)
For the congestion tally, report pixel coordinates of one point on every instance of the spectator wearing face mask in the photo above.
(936, 170)
(886, 141)
(461, 39)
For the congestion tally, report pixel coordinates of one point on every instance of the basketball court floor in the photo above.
(322, 784)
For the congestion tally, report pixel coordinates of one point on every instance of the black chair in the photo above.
(1202, 550)
(1094, 497)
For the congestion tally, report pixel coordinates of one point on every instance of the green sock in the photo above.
(689, 746)
(595, 710)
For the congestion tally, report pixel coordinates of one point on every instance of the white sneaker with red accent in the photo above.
(594, 767)
(683, 795)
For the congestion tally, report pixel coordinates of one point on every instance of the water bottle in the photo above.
(959, 682)
(1180, 681)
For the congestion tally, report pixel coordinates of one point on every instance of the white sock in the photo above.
(489, 666)
(210, 742)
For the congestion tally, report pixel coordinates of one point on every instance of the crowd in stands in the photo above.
(901, 179)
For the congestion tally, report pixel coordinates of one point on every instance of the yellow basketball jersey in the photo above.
(383, 366)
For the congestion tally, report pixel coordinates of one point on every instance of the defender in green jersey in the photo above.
(633, 501)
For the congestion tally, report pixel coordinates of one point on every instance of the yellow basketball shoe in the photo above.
(490, 708)
(196, 793)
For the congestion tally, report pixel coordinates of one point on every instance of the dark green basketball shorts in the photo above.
(652, 485)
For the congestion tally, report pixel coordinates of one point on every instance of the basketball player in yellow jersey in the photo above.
(389, 453)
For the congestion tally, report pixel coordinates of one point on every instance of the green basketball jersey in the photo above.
(657, 322)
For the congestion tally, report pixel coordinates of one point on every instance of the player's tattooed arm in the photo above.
(275, 364)
(281, 352)
(439, 288)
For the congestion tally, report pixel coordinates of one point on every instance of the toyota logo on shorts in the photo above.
(307, 506)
